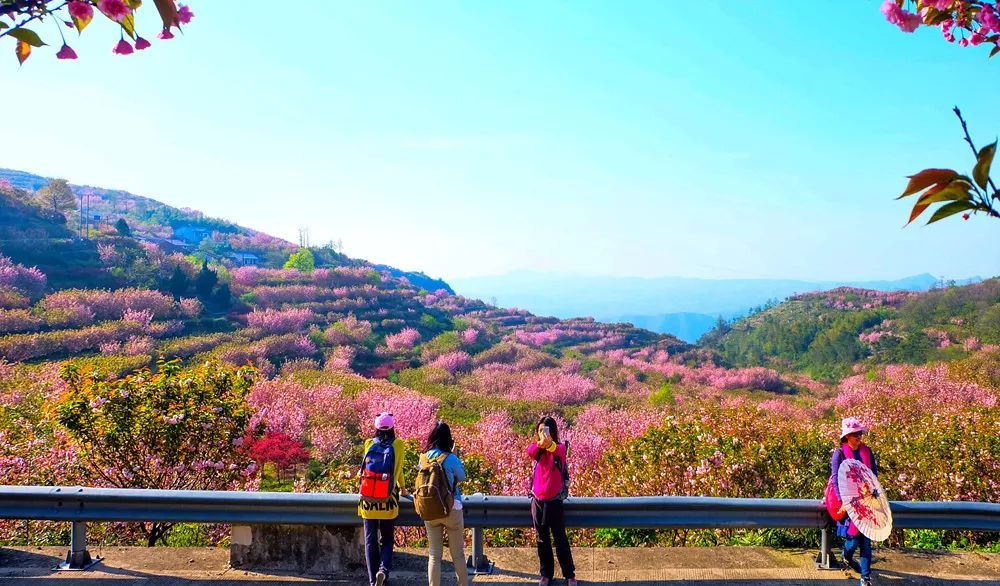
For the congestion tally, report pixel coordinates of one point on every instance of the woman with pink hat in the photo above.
(852, 447)
(381, 484)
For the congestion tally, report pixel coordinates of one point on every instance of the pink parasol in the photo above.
(864, 499)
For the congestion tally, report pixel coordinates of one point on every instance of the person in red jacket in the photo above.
(548, 490)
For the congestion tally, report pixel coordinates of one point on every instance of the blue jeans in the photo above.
(851, 545)
(378, 546)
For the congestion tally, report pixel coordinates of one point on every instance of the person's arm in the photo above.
(459, 470)
(835, 460)
(399, 449)
(533, 450)
(874, 462)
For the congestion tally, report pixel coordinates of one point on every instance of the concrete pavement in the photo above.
(721, 566)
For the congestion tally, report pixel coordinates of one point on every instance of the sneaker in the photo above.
(380, 578)
(866, 581)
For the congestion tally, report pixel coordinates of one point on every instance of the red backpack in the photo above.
(830, 498)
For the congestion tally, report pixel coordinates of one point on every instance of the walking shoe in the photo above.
(380, 578)
(543, 582)
(572, 582)
(867, 581)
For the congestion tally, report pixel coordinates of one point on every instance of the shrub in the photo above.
(173, 429)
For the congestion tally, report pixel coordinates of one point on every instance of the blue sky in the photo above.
(741, 139)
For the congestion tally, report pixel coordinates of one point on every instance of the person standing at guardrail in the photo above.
(438, 501)
(381, 486)
(549, 488)
(852, 447)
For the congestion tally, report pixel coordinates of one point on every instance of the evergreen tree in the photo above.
(205, 281)
(122, 227)
(179, 283)
(223, 297)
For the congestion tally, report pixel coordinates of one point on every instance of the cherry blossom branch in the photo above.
(968, 139)
(37, 16)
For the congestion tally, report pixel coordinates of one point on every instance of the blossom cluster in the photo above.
(976, 21)
(80, 13)
(18, 278)
(404, 340)
(111, 304)
(272, 321)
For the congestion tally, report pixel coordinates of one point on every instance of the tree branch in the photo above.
(975, 153)
(37, 16)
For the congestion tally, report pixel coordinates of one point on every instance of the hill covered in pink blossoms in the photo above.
(274, 374)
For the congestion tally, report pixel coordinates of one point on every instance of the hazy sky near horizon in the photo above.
(746, 139)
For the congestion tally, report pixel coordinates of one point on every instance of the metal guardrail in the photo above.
(80, 505)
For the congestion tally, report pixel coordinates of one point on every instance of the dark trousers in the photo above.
(378, 546)
(549, 520)
(852, 545)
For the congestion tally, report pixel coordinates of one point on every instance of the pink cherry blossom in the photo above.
(165, 34)
(66, 52)
(452, 362)
(123, 48)
(184, 14)
(116, 10)
(404, 340)
(142, 44)
(81, 10)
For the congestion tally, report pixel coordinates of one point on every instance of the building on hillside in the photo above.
(168, 244)
(243, 259)
(191, 234)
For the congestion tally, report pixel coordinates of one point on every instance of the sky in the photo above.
(762, 139)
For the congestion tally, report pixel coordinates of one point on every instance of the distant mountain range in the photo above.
(684, 307)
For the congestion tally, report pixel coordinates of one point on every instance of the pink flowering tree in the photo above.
(415, 414)
(175, 429)
(958, 193)
(964, 22)
(20, 281)
(273, 321)
(78, 14)
(403, 341)
(315, 416)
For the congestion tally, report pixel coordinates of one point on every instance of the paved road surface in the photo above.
(723, 566)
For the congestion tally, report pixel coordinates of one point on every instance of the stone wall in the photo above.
(303, 549)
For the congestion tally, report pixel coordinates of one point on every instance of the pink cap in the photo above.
(384, 420)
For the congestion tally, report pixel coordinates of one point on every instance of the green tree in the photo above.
(223, 296)
(56, 196)
(205, 281)
(156, 430)
(302, 260)
(179, 283)
(122, 227)
(210, 249)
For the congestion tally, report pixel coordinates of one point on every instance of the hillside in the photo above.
(826, 334)
(171, 229)
(198, 370)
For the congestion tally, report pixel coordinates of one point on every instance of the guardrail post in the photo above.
(78, 558)
(825, 559)
(478, 563)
